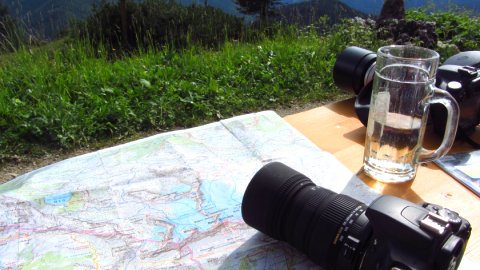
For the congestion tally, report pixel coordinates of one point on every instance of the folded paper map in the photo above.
(170, 201)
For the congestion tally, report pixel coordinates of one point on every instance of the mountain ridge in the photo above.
(373, 7)
(308, 12)
(50, 17)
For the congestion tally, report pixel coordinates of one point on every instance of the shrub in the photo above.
(458, 29)
(159, 23)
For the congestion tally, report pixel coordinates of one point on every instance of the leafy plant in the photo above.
(74, 95)
(458, 29)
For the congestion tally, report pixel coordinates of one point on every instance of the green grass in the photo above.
(73, 96)
(68, 94)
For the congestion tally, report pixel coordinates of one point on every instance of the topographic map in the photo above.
(170, 201)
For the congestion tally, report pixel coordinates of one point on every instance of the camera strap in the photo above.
(462, 134)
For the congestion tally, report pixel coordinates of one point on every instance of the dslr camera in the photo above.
(339, 232)
(459, 75)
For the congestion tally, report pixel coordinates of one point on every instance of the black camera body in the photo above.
(411, 236)
(339, 232)
(459, 75)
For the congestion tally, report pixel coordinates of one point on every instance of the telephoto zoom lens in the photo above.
(354, 68)
(330, 228)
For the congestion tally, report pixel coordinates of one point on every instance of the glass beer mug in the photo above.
(403, 89)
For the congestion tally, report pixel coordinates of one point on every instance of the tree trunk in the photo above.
(264, 13)
(124, 23)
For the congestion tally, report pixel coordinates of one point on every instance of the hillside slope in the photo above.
(305, 13)
(49, 17)
(374, 6)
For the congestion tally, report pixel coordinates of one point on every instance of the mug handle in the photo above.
(453, 114)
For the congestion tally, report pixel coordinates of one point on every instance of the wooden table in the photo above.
(336, 129)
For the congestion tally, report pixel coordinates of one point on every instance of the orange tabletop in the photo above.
(336, 129)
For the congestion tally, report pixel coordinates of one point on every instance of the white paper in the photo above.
(168, 201)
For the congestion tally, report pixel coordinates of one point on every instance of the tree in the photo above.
(262, 8)
(124, 22)
(3, 11)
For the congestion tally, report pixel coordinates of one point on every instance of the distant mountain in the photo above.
(299, 11)
(229, 6)
(308, 12)
(374, 6)
(46, 18)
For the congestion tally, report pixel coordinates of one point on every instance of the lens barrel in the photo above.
(330, 228)
(354, 69)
